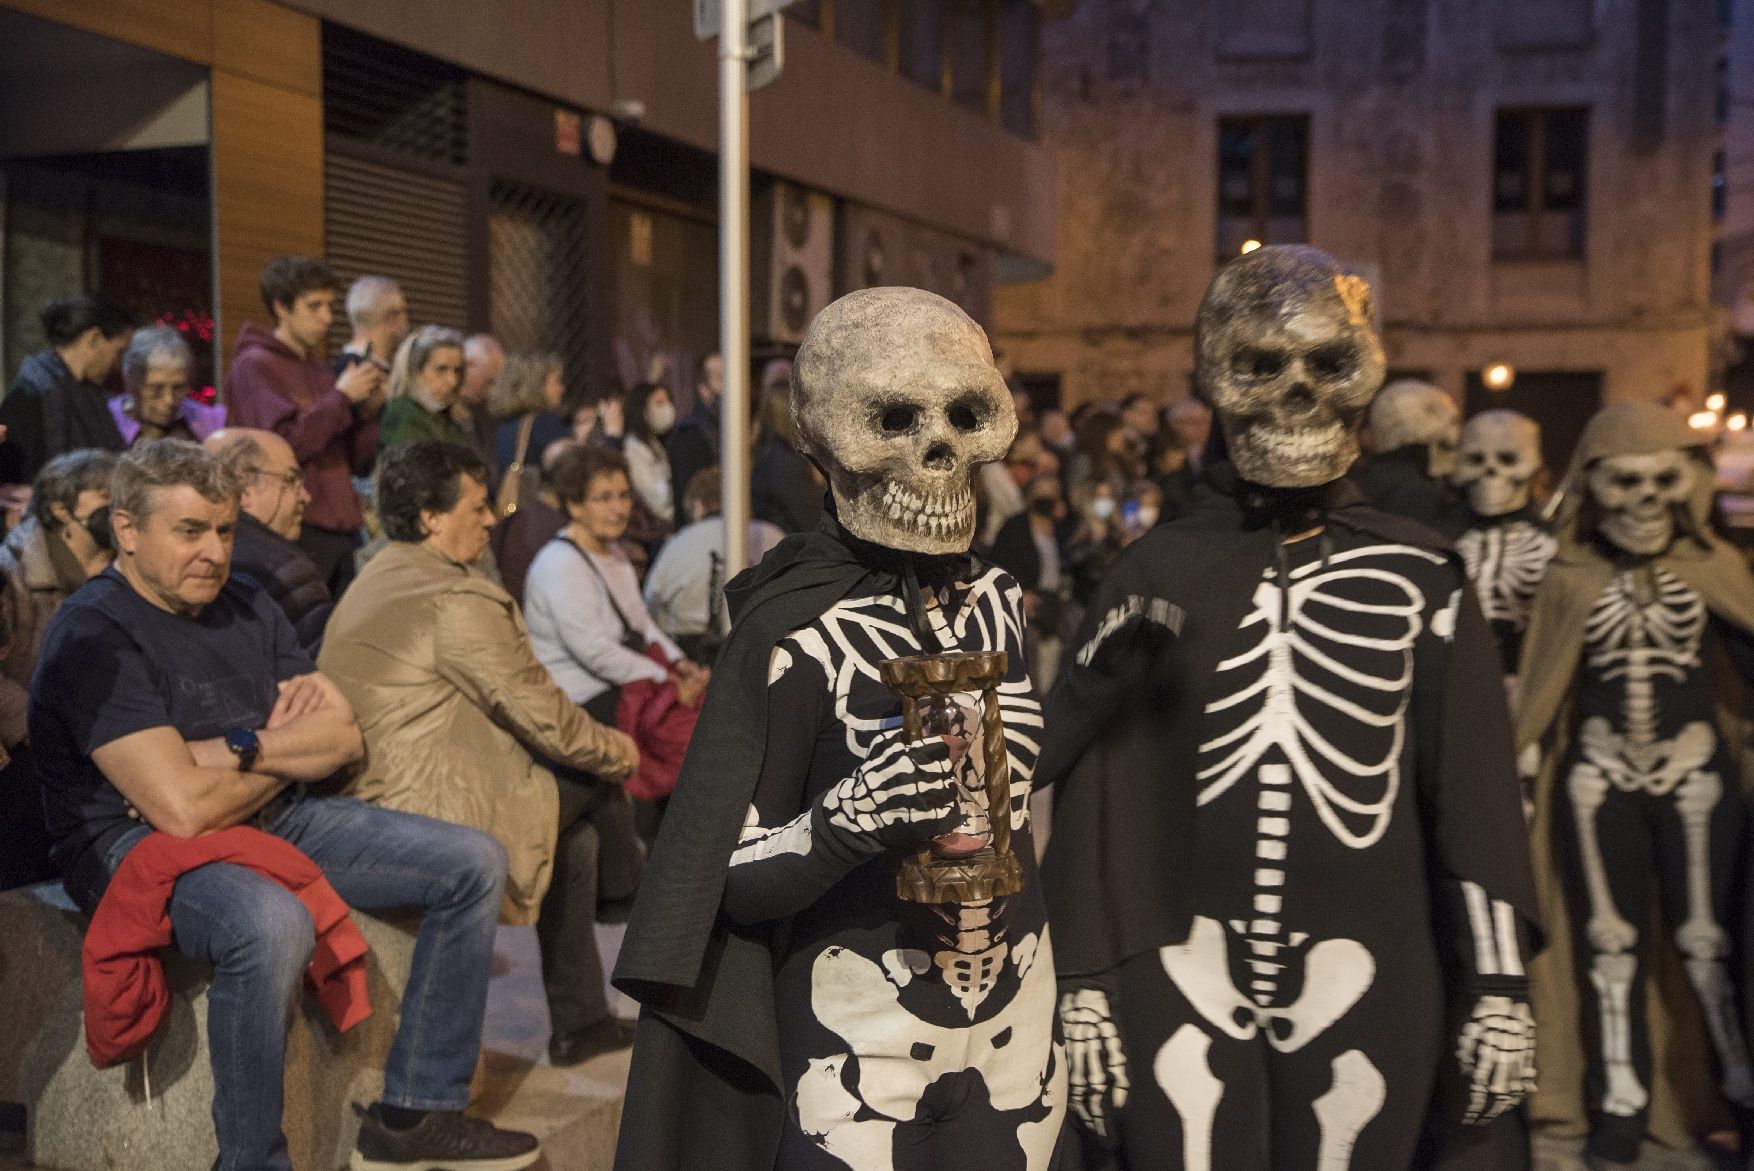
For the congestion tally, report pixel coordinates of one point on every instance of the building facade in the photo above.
(1527, 182)
(545, 170)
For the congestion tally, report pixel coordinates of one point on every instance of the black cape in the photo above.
(1117, 863)
(705, 1090)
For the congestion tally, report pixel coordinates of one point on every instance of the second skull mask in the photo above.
(1287, 354)
(1500, 455)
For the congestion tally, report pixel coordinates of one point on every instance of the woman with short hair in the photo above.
(425, 380)
(457, 714)
(157, 368)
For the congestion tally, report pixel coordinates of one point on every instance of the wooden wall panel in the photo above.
(181, 28)
(254, 38)
(267, 189)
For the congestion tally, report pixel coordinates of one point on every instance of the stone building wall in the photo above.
(1402, 97)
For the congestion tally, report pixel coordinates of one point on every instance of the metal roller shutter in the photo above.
(402, 224)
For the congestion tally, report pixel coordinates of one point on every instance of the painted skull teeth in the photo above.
(936, 514)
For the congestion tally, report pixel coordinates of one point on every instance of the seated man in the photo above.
(271, 510)
(169, 698)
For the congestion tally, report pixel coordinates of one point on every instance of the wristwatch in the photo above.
(244, 745)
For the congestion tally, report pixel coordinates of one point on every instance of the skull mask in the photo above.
(1288, 358)
(1411, 413)
(1637, 498)
(898, 401)
(1501, 452)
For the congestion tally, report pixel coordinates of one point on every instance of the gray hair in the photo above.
(522, 385)
(65, 477)
(363, 298)
(156, 345)
(415, 352)
(168, 463)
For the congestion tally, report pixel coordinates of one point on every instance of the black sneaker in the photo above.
(606, 1036)
(445, 1140)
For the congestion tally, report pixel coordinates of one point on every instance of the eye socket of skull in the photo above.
(897, 399)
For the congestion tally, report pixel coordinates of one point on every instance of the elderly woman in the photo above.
(156, 370)
(426, 380)
(437, 664)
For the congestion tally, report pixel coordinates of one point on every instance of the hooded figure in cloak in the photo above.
(1641, 616)
(799, 1014)
(1287, 877)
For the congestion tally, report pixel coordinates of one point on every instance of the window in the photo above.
(968, 29)
(858, 24)
(1263, 182)
(1019, 49)
(1540, 167)
(920, 50)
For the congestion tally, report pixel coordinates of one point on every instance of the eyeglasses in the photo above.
(287, 479)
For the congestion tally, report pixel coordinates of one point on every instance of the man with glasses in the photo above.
(270, 515)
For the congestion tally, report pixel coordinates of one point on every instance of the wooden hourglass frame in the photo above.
(992, 871)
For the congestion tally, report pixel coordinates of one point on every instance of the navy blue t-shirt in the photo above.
(113, 664)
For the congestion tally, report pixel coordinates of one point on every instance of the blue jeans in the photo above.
(259, 937)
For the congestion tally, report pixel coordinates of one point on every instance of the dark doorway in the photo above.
(1561, 401)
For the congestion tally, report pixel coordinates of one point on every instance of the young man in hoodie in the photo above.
(279, 382)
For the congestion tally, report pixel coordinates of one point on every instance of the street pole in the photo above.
(734, 283)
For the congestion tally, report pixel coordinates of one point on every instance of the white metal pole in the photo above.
(734, 283)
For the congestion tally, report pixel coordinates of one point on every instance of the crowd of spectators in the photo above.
(423, 597)
(420, 608)
(1074, 490)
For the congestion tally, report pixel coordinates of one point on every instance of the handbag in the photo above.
(506, 500)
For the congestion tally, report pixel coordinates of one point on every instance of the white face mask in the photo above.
(660, 417)
(1102, 508)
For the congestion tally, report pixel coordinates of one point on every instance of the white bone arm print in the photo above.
(1336, 647)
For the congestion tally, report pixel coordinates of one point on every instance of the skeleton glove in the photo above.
(1497, 1055)
(901, 797)
(1095, 1062)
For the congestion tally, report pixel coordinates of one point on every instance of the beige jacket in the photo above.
(437, 664)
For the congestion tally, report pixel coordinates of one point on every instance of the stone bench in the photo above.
(155, 1111)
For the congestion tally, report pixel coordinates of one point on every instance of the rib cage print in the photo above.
(1506, 563)
(1637, 642)
(1325, 686)
(855, 635)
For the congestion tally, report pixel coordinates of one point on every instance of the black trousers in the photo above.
(1642, 844)
(332, 551)
(597, 863)
(1357, 1093)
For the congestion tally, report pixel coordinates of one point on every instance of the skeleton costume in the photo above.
(1286, 877)
(1506, 547)
(1413, 434)
(807, 1017)
(1638, 603)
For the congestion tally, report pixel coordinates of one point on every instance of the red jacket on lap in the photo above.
(125, 993)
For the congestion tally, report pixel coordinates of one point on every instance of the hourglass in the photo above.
(960, 866)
